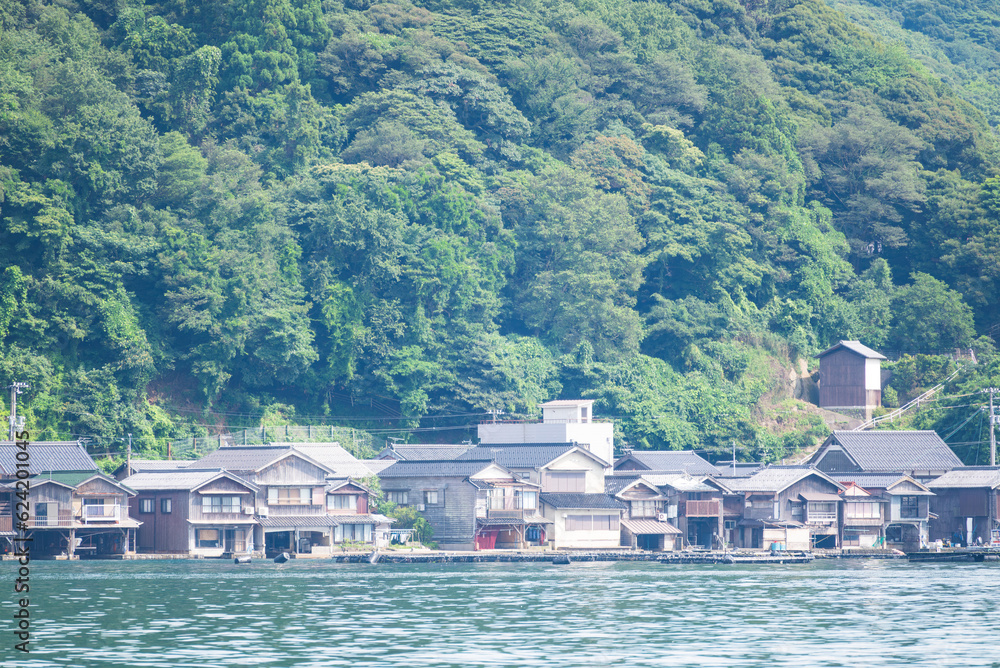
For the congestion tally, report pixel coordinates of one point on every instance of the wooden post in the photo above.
(71, 545)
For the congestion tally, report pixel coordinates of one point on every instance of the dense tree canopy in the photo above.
(375, 212)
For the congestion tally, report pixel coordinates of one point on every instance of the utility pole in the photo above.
(993, 433)
(15, 389)
(128, 456)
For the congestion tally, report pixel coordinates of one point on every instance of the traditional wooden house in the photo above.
(667, 461)
(469, 503)
(8, 495)
(583, 521)
(967, 505)
(922, 455)
(555, 467)
(80, 513)
(291, 501)
(347, 501)
(644, 524)
(64, 480)
(850, 378)
(195, 512)
(795, 506)
(903, 507)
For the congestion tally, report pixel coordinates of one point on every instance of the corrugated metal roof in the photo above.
(451, 468)
(855, 347)
(590, 501)
(519, 455)
(895, 451)
(179, 479)
(774, 479)
(966, 477)
(46, 456)
(682, 461)
(638, 527)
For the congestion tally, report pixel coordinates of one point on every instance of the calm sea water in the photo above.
(313, 613)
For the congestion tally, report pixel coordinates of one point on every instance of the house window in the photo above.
(822, 508)
(399, 498)
(220, 504)
(342, 502)
(431, 497)
(592, 523)
(909, 506)
(584, 414)
(644, 508)
(207, 538)
(566, 481)
(359, 533)
(863, 511)
(166, 506)
(289, 496)
(529, 500)
(145, 505)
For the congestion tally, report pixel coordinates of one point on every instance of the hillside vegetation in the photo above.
(217, 214)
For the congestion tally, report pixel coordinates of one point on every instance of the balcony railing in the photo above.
(822, 518)
(703, 508)
(101, 513)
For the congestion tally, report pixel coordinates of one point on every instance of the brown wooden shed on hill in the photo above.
(850, 378)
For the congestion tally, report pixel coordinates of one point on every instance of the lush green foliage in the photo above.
(376, 212)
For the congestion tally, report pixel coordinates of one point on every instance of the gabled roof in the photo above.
(181, 479)
(588, 501)
(854, 347)
(681, 461)
(615, 485)
(73, 479)
(681, 482)
(526, 455)
(251, 458)
(869, 481)
(968, 477)
(334, 457)
(335, 484)
(138, 465)
(414, 451)
(447, 468)
(777, 479)
(46, 456)
(892, 451)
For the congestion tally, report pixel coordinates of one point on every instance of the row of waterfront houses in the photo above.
(551, 483)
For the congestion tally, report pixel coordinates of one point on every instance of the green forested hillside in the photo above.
(219, 213)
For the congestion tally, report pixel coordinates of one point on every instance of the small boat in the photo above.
(281, 558)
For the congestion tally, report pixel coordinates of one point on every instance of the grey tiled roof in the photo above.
(773, 479)
(565, 500)
(244, 458)
(968, 477)
(46, 456)
(519, 455)
(448, 468)
(378, 465)
(685, 461)
(184, 479)
(300, 521)
(855, 347)
(893, 451)
(616, 483)
(868, 481)
(415, 451)
(159, 464)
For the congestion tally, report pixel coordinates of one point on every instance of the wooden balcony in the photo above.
(102, 513)
(504, 514)
(703, 508)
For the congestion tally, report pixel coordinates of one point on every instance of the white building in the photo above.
(565, 421)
